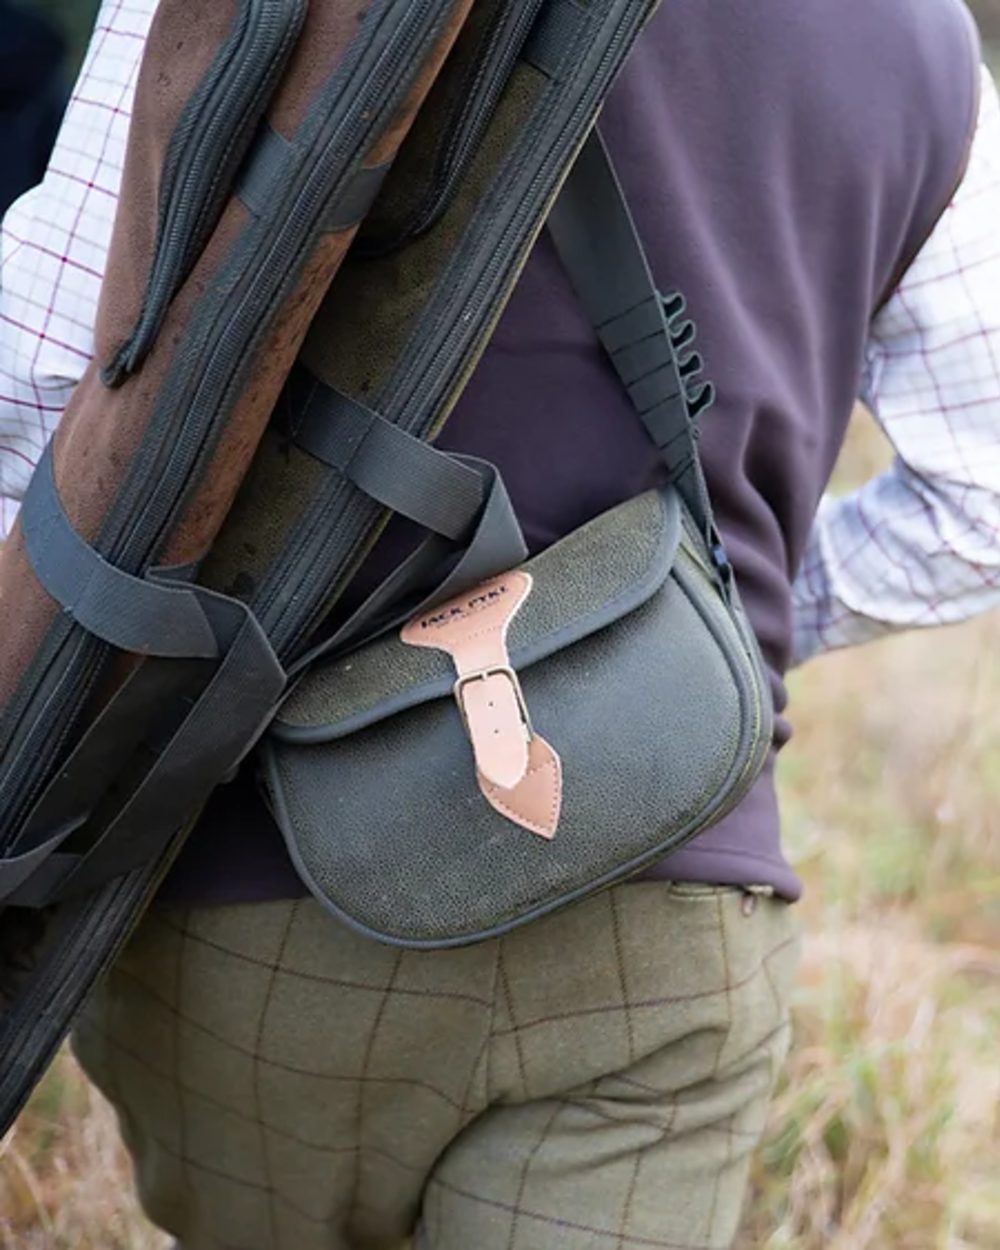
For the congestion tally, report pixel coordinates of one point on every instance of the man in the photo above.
(823, 182)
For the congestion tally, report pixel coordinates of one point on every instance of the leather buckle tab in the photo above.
(518, 771)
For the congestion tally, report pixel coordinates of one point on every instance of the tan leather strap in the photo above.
(519, 773)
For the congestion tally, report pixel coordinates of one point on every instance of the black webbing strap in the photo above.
(554, 36)
(88, 774)
(437, 570)
(598, 244)
(267, 168)
(188, 740)
(178, 726)
(25, 875)
(391, 466)
(462, 501)
(133, 613)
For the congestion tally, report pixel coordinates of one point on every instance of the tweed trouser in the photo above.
(595, 1081)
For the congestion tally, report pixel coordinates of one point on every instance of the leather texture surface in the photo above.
(518, 772)
(658, 712)
(472, 630)
(535, 801)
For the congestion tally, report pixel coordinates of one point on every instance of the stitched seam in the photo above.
(482, 1054)
(724, 947)
(490, 1091)
(778, 1004)
(464, 1115)
(626, 1217)
(493, 793)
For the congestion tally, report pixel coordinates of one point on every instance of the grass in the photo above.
(64, 1180)
(885, 1134)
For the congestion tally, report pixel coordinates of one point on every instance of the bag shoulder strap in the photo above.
(645, 333)
(649, 342)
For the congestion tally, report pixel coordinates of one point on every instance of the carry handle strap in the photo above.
(438, 570)
(184, 718)
(174, 730)
(643, 332)
(473, 532)
(149, 615)
(430, 487)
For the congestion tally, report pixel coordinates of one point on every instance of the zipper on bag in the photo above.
(150, 502)
(180, 452)
(211, 138)
(501, 47)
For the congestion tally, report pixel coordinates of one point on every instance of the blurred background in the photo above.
(885, 1134)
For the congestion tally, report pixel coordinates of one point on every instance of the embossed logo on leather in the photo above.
(462, 610)
(519, 773)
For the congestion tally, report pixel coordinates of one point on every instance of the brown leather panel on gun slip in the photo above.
(103, 429)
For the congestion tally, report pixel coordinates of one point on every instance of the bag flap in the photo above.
(594, 576)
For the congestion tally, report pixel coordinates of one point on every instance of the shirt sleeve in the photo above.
(53, 249)
(920, 544)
